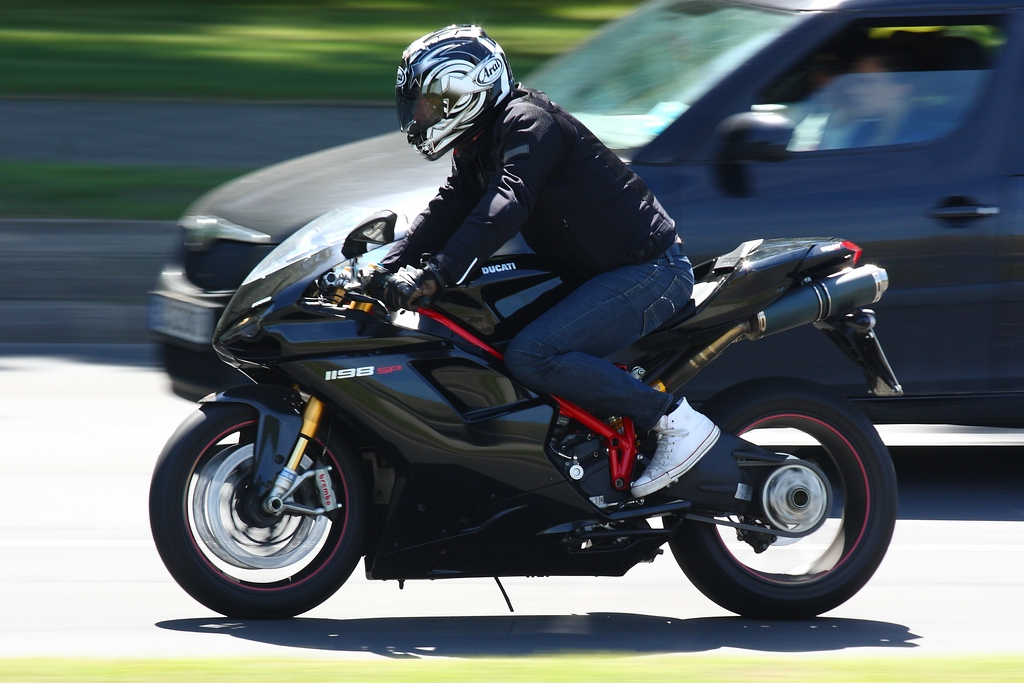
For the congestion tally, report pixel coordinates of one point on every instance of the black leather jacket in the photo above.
(540, 172)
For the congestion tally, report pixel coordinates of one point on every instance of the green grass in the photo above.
(259, 49)
(590, 668)
(54, 190)
(230, 49)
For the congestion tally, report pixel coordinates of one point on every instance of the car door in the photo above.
(1009, 257)
(926, 198)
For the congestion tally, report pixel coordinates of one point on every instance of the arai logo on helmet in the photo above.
(401, 77)
(489, 71)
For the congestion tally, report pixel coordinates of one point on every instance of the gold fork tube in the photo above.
(286, 479)
(310, 422)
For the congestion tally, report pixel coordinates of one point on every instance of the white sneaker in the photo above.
(684, 437)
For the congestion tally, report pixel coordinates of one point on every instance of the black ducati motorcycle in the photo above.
(400, 438)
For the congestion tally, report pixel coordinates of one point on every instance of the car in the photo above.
(889, 123)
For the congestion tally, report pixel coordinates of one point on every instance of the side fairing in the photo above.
(458, 452)
(463, 481)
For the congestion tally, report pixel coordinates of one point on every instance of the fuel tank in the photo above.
(511, 291)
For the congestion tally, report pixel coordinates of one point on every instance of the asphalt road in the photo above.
(175, 133)
(80, 429)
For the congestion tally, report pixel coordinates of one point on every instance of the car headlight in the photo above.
(203, 231)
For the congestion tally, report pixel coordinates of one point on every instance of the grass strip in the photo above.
(260, 49)
(56, 190)
(590, 668)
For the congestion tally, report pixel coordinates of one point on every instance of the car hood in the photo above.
(280, 199)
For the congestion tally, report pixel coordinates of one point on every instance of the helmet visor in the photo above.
(418, 111)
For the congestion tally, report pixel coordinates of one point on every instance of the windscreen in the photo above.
(633, 79)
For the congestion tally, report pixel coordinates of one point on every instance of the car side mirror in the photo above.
(378, 229)
(754, 136)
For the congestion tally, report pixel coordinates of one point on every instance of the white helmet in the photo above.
(449, 83)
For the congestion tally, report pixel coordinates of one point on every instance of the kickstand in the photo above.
(504, 594)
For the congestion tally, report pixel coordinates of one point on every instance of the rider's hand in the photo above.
(409, 288)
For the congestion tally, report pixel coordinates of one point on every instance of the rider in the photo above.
(521, 163)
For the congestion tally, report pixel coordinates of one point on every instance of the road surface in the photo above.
(80, 429)
(176, 133)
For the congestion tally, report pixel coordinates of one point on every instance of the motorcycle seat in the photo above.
(684, 313)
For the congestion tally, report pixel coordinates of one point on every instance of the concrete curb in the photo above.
(79, 281)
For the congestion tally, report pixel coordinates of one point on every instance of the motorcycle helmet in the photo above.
(449, 84)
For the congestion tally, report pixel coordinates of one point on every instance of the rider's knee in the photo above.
(525, 361)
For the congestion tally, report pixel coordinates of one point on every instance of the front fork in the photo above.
(288, 478)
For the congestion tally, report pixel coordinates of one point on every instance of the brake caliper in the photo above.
(328, 500)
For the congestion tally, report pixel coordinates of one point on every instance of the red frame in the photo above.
(621, 445)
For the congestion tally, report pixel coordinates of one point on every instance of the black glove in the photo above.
(409, 288)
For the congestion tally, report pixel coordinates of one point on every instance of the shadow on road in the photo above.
(527, 635)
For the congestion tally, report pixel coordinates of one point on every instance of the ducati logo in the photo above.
(486, 270)
(365, 371)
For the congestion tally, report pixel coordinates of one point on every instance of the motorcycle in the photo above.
(399, 437)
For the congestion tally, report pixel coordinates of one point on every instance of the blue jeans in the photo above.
(560, 352)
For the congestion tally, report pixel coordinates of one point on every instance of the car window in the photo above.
(886, 85)
(634, 78)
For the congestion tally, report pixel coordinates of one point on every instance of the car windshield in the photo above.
(634, 78)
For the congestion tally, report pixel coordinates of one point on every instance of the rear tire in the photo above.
(848, 449)
(219, 433)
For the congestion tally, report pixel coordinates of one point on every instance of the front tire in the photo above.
(817, 573)
(264, 568)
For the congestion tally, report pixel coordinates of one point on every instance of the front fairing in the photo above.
(280, 281)
(281, 289)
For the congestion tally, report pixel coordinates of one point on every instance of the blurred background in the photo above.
(68, 152)
(115, 115)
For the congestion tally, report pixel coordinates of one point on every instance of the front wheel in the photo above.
(816, 573)
(221, 547)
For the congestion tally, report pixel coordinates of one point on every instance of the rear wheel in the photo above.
(221, 547)
(794, 579)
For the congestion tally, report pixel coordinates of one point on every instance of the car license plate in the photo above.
(182, 319)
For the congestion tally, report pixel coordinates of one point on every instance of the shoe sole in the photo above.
(671, 476)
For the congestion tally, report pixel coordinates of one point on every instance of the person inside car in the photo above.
(871, 106)
(863, 107)
(520, 163)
